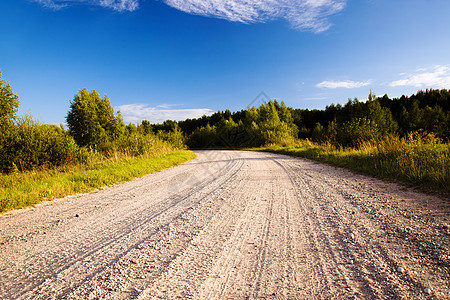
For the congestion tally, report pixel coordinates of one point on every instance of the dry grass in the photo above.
(419, 159)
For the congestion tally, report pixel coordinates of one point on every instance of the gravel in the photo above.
(232, 224)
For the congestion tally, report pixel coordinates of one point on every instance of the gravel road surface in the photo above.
(232, 225)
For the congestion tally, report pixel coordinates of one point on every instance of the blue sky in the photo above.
(173, 59)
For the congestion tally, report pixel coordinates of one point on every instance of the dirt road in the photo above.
(232, 225)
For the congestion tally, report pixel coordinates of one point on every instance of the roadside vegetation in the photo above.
(22, 189)
(419, 159)
(41, 161)
(404, 138)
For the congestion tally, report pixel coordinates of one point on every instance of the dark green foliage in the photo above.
(39, 145)
(94, 127)
(362, 122)
(349, 125)
(269, 123)
(92, 121)
(357, 122)
(9, 104)
(145, 127)
(25, 143)
(204, 137)
(224, 134)
(319, 133)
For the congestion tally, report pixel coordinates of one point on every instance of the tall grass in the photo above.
(419, 159)
(21, 189)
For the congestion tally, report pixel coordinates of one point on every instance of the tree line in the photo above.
(348, 125)
(94, 129)
(359, 121)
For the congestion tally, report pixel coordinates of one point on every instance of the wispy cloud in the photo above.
(437, 76)
(309, 15)
(118, 5)
(52, 4)
(302, 14)
(346, 84)
(135, 113)
(316, 98)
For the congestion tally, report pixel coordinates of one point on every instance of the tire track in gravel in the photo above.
(324, 237)
(376, 274)
(171, 252)
(347, 235)
(231, 224)
(223, 273)
(36, 280)
(174, 202)
(193, 265)
(318, 244)
(189, 206)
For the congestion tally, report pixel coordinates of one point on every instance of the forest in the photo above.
(350, 125)
(404, 138)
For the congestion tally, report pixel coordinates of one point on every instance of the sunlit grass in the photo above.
(23, 189)
(422, 160)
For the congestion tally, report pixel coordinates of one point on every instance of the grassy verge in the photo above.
(23, 189)
(421, 161)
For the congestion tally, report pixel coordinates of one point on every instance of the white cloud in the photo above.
(52, 4)
(316, 98)
(347, 84)
(118, 5)
(302, 14)
(135, 113)
(437, 76)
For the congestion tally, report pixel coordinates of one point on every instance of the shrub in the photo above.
(38, 145)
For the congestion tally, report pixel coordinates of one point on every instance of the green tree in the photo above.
(319, 133)
(202, 137)
(381, 117)
(412, 118)
(274, 129)
(145, 127)
(9, 104)
(92, 121)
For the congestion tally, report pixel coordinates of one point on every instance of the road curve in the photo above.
(232, 225)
